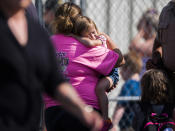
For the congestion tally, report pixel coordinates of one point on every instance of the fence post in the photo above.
(108, 17)
(39, 7)
(83, 6)
(130, 2)
(154, 4)
(72, 1)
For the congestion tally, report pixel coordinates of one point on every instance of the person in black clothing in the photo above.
(28, 67)
(31, 10)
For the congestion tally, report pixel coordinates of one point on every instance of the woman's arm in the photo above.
(121, 60)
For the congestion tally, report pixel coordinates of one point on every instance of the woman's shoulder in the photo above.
(62, 37)
(57, 36)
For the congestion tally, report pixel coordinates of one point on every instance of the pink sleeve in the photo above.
(99, 59)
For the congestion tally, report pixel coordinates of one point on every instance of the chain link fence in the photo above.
(118, 19)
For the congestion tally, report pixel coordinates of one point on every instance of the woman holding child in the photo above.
(82, 65)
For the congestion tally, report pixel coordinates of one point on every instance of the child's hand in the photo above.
(92, 36)
(111, 88)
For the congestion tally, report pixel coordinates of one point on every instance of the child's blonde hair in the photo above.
(154, 84)
(82, 24)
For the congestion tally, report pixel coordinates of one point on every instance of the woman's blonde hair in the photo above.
(82, 24)
(154, 84)
(64, 18)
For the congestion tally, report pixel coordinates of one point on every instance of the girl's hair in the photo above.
(154, 85)
(82, 24)
(133, 62)
(149, 20)
(64, 18)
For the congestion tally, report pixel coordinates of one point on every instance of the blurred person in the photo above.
(81, 65)
(49, 13)
(155, 106)
(147, 27)
(163, 49)
(142, 43)
(124, 113)
(28, 66)
(86, 32)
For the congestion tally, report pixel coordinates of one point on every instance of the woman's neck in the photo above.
(18, 15)
(135, 77)
(18, 26)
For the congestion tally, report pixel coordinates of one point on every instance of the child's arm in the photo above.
(111, 45)
(88, 42)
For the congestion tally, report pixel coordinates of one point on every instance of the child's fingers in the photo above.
(92, 36)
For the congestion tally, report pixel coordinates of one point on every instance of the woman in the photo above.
(142, 43)
(124, 113)
(82, 66)
(27, 65)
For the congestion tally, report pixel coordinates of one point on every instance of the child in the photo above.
(87, 33)
(124, 113)
(154, 99)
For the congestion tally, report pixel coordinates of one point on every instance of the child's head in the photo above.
(133, 64)
(84, 26)
(154, 85)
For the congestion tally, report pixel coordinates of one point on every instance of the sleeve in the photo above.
(99, 59)
(157, 43)
(124, 90)
(55, 76)
(164, 21)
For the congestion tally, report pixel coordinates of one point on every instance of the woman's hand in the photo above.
(92, 118)
(74, 104)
